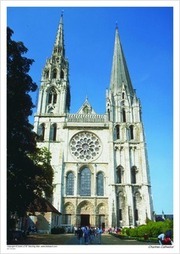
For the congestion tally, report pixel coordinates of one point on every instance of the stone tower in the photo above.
(54, 96)
(101, 173)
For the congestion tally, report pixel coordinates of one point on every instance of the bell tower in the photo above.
(130, 179)
(54, 95)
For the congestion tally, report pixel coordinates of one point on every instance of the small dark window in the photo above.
(136, 214)
(133, 174)
(120, 214)
(62, 74)
(119, 174)
(53, 131)
(108, 111)
(117, 131)
(54, 73)
(131, 132)
(124, 116)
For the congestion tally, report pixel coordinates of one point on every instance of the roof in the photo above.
(42, 205)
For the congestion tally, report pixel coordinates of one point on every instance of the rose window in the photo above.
(85, 146)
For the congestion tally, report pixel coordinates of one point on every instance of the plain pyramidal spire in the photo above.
(119, 73)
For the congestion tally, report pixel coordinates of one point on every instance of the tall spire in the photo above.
(55, 92)
(119, 73)
(59, 42)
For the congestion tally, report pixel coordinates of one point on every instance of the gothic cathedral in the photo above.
(101, 173)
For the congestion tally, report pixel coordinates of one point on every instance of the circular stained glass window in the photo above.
(85, 146)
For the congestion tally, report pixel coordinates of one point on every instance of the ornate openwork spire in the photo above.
(59, 42)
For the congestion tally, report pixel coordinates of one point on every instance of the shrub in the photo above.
(133, 232)
(58, 230)
(126, 231)
(142, 230)
(152, 229)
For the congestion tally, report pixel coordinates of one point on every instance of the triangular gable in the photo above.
(86, 108)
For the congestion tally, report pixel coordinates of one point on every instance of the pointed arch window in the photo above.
(85, 182)
(100, 184)
(52, 96)
(133, 174)
(70, 184)
(41, 132)
(119, 173)
(53, 132)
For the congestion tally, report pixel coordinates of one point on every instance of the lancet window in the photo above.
(85, 182)
(53, 132)
(119, 173)
(52, 96)
(100, 184)
(70, 184)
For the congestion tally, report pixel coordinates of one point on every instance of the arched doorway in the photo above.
(85, 220)
(85, 214)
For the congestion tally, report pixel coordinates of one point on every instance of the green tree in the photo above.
(41, 159)
(29, 173)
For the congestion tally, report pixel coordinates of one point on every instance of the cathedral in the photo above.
(100, 163)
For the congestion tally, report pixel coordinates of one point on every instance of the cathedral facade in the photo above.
(101, 172)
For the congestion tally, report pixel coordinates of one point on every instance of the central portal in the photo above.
(85, 220)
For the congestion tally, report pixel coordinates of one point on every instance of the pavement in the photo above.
(71, 239)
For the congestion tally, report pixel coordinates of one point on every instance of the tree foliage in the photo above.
(41, 159)
(29, 173)
(19, 102)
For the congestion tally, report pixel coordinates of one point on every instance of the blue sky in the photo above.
(146, 34)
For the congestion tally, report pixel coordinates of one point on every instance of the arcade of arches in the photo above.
(86, 213)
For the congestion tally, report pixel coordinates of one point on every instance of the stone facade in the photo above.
(101, 173)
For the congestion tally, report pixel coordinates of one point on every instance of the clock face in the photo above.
(85, 146)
